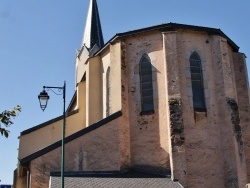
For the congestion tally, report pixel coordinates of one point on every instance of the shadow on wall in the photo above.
(148, 132)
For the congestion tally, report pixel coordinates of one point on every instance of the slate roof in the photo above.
(129, 179)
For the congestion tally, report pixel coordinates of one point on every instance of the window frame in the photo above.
(146, 85)
(108, 93)
(197, 83)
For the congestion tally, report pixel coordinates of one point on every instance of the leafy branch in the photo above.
(5, 119)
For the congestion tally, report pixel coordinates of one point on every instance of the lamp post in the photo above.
(43, 99)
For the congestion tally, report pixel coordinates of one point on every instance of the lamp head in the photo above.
(43, 99)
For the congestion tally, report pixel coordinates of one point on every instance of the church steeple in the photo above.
(93, 31)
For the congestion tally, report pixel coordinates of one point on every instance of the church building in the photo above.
(163, 106)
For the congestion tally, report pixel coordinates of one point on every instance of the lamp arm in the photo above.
(61, 90)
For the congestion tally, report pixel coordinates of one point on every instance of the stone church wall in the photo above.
(98, 150)
(148, 132)
(243, 103)
(209, 154)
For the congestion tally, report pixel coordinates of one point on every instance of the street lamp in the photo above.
(43, 99)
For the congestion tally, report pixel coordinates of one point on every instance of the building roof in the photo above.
(173, 27)
(128, 179)
(93, 30)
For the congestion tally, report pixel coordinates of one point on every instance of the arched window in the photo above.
(108, 92)
(197, 82)
(147, 99)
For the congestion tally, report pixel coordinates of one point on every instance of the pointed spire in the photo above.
(93, 30)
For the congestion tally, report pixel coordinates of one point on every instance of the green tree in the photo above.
(5, 119)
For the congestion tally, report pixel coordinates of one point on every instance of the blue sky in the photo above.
(38, 41)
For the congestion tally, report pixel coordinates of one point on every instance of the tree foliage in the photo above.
(5, 119)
